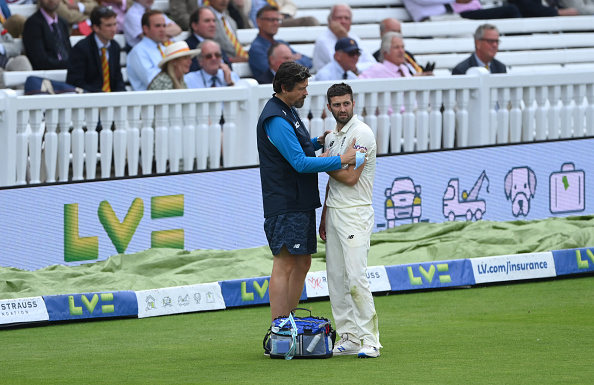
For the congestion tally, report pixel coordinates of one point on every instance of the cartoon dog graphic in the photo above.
(520, 187)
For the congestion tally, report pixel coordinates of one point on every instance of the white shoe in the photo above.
(368, 351)
(346, 346)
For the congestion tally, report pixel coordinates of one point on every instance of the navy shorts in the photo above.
(295, 230)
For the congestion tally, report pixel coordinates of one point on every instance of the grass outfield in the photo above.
(539, 332)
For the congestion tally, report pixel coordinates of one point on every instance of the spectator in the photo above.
(11, 58)
(46, 38)
(226, 34)
(278, 53)
(392, 25)
(394, 64)
(213, 72)
(582, 7)
(239, 11)
(486, 43)
(175, 64)
(76, 13)
(144, 58)
(203, 26)
(339, 25)
(422, 10)
(268, 23)
(180, 11)
(344, 63)
(90, 55)
(535, 8)
(13, 24)
(120, 7)
(287, 9)
(133, 28)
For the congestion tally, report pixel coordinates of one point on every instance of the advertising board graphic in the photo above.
(181, 299)
(574, 261)
(316, 282)
(74, 223)
(19, 310)
(567, 190)
(430, 275)
(249, 291)
(91, 305)
(513, 267)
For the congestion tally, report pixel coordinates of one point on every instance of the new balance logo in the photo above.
(351, 236)
(340, 349)
(297, 245)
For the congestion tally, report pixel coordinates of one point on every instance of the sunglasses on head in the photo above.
(302, 75)
(104, 9)
(209, 56)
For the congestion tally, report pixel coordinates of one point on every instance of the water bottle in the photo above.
(314, 342)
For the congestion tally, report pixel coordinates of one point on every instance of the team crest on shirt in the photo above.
(297, 125)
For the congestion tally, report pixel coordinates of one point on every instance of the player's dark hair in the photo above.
(339, 90)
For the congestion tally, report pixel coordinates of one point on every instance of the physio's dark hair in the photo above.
(339, 90)
(289, 74)
(101, 12)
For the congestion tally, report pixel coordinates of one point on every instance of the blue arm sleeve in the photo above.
(282, 135)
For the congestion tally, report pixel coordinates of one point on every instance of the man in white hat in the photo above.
(175, 64)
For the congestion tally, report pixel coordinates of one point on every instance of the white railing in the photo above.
(55, 138)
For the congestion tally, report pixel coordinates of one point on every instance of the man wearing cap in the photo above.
(175, 64)
(144, 58)
(344, 63)
(85, 67)
(394, 64)
(213, 72)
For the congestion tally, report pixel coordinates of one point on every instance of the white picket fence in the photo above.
(55, 137)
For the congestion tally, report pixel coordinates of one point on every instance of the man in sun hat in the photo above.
(344, 62)
(85, 67)
(175, 64)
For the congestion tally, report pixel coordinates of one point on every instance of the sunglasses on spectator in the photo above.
(209, 56)
(272, 19)
(491, 41)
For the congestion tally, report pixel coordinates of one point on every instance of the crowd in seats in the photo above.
(46, 39)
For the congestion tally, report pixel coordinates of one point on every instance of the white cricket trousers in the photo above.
(347, 244)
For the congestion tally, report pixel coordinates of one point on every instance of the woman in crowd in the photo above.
(175, 64)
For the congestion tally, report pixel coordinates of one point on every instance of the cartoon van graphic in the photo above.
(465, 204)
(403, 201)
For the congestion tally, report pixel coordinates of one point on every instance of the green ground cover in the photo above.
(422, 242)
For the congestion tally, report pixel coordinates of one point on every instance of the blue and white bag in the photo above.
(300, 337)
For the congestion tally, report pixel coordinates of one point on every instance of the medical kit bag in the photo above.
(300, 337)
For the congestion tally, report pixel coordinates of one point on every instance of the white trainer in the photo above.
(368, 351)
(346, 346)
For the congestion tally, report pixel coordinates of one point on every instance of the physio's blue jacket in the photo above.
(288, 163)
